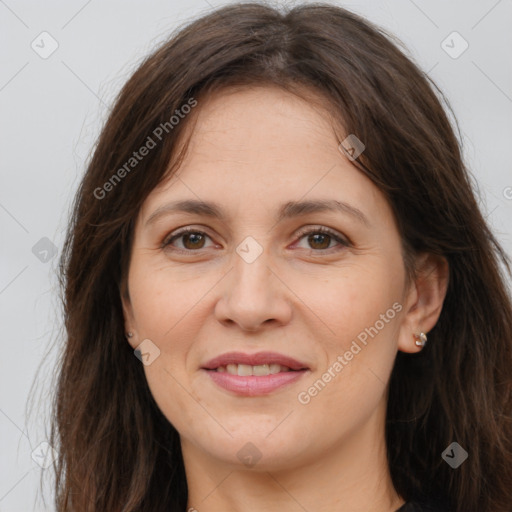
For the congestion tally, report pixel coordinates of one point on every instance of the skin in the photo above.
(252, 150)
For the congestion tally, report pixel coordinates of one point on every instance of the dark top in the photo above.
(413, 506)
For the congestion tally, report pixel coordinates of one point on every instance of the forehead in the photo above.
(239, 118)
(263, 144)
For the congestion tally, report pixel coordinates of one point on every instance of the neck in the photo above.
(351, 477)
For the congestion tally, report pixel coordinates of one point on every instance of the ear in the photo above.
(424, 300)
(129, 321)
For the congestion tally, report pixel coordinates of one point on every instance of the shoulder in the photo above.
(415, 506)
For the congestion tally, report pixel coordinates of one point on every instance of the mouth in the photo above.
(259, 361)
(254, 374)
(260, 370)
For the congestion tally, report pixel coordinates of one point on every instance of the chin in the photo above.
(256, 446)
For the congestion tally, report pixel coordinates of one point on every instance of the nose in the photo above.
(253, 296)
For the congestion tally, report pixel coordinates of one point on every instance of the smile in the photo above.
(253, 385)
(245, 370)
(254, 374)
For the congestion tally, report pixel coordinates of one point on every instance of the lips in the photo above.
(246, 370)
(254, 374)
(255, 360)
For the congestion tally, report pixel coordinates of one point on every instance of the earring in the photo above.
(129, 334)
(421, 339)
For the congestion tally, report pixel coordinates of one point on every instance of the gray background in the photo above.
(52, 110)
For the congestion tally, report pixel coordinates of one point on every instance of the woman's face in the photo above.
(313, 318)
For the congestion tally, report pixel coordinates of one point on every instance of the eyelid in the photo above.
(311, 229)
(306, 230)
(180, 232)
(322, 229)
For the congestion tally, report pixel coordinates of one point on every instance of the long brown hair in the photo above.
(117, 452)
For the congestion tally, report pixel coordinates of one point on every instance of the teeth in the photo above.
(232, 369)
(260, 370)
(244, 370)
(276, 368)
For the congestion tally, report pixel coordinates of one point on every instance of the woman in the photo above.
(278, 224)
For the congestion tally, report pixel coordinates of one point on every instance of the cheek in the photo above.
(354, 299)
(362, 313)
(186, 411)
(159, 301)
(164, 309)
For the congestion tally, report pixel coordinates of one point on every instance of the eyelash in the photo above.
(301, 234)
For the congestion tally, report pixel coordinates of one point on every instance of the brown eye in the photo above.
(320, 239)
(191, 240)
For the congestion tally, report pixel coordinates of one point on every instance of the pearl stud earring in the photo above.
(421, 339)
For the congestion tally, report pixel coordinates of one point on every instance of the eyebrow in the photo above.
(288, 210)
